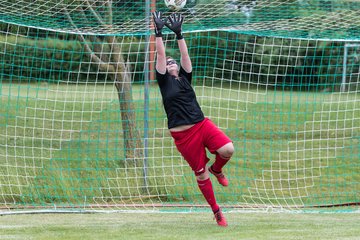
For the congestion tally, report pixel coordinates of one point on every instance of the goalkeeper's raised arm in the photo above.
(160, 48)
(174, 23)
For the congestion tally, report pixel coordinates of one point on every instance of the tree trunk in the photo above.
(133, 146)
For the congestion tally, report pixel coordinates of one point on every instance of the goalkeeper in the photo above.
(191, 131)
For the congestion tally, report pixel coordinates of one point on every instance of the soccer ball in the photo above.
(175, 5)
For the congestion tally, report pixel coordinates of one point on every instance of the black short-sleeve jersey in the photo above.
(179, 99)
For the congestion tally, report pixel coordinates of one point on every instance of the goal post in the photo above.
(347, 84)
(82, 125)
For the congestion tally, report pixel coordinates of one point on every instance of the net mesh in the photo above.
(82, 125)
(287, 18)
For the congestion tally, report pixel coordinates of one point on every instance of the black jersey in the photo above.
(179, 99)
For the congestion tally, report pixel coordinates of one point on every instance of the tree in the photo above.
(113, 62)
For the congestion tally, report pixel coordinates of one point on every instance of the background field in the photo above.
(179, 226)
(64, 146)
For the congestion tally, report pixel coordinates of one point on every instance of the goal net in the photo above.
(82, 125)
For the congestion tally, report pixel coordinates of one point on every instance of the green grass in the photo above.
(67, 147)
(179, 226)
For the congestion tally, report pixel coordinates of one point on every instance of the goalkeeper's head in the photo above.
(172, 66)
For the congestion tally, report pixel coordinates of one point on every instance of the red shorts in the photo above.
(192, 143)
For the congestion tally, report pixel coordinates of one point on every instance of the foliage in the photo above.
(50, 57)
(57, 56)
(278, 62)
(299, 64)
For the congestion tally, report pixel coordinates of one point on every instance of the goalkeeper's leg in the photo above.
(207, 190)
(220, 144)
(223, 155)
(190, 145)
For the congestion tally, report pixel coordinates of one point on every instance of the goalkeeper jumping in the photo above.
(191, 131)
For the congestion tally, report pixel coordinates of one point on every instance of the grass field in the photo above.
(185, 226)
(62, 145)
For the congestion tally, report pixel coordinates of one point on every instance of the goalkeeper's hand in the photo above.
(176, 20)
(158, 22)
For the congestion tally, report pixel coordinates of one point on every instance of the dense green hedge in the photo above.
(288, 63)
(27, 59)
(302, 64)
(35, 59)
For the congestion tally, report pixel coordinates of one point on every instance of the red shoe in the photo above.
(220, 177)
(220, 219)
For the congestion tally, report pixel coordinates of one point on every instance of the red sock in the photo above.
(208, 192)
(219, 163)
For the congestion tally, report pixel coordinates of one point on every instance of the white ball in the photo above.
(175, 5)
